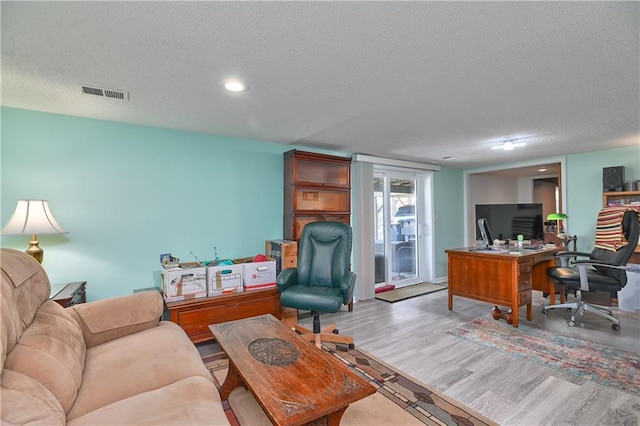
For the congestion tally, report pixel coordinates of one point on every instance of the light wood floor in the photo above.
(412, 336)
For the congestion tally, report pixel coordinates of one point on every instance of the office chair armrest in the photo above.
(347, 283)
(578, 263)
(583, 265)
(572, 254)
(287, 278)
(565, 256)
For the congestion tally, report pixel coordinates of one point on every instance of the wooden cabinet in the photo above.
(70, 294)
(317, 187)
(625, 198)
(195, 315)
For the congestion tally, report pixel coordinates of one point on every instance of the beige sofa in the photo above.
(110, 361)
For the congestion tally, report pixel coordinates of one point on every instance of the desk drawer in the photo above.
(525, 267)
(524, 275)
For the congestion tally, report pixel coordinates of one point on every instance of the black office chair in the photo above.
(606, 267)
(322, 281)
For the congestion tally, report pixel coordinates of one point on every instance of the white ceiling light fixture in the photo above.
(509, 145)
(235, 86)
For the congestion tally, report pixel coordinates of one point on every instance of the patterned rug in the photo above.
(587, 360)
(424, 405)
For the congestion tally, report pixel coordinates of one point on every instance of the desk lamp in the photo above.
(558, 217)
(32, 217)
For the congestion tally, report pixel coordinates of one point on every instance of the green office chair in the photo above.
(322, 281)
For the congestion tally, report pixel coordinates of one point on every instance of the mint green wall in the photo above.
(584, 187)
(449, 215)
(127, 193)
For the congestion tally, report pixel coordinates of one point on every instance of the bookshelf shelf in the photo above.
(625, 198)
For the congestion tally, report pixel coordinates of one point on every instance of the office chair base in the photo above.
(580, 308)
(327, 334)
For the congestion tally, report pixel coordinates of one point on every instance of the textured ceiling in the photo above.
(408, 80)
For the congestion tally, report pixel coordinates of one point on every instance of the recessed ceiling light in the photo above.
(235, 86)
(542, 169)
(509, 145)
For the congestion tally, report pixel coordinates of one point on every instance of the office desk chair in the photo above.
(605, 268)
(322, 281)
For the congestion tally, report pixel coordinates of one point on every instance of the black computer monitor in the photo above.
(485, 231)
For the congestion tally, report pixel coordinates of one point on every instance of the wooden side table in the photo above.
(70, 294)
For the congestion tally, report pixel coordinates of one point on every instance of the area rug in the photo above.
(590, 361)
(409, 291)
(399, 400)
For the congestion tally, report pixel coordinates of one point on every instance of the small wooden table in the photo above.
(293, 381)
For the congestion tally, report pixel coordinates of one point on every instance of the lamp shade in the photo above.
(557, 216)
(32, 217)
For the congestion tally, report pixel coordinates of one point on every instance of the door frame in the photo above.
(424, 244)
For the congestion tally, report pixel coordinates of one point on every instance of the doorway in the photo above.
(535, 182)
(398, 218)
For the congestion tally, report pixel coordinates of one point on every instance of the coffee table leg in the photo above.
(333, 419)
(232, 381)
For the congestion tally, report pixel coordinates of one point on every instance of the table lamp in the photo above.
(32, 217)
(558, 217)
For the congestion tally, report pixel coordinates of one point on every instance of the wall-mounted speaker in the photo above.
(613, 179)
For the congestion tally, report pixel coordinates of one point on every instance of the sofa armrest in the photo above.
(115, 317)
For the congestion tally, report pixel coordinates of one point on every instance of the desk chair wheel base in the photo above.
(580, 308)
(327, 334)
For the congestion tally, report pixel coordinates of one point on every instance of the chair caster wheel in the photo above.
(571, 323)
(616, 327)
(352, 346)
(544, 311)
(335, 331)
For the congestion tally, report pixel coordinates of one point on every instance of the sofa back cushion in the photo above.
(24, 287)
(39, 338)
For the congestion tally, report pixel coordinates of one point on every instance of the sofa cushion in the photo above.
(164, 406)
(52, 352)
(135, 364)
(24, 287)
(108, 319)
(24, 400)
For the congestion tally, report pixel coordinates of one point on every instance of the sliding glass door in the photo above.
(399, 215)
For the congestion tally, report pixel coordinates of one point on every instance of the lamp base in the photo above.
(34, 249)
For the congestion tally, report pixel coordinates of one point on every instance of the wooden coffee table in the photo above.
(293, 381)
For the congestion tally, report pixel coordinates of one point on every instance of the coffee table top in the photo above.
(293, 380)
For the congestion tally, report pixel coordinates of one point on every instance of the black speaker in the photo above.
(613, 179)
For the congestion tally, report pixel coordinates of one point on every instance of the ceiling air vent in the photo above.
(105, 93)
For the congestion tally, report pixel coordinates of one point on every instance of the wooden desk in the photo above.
(500, 278)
